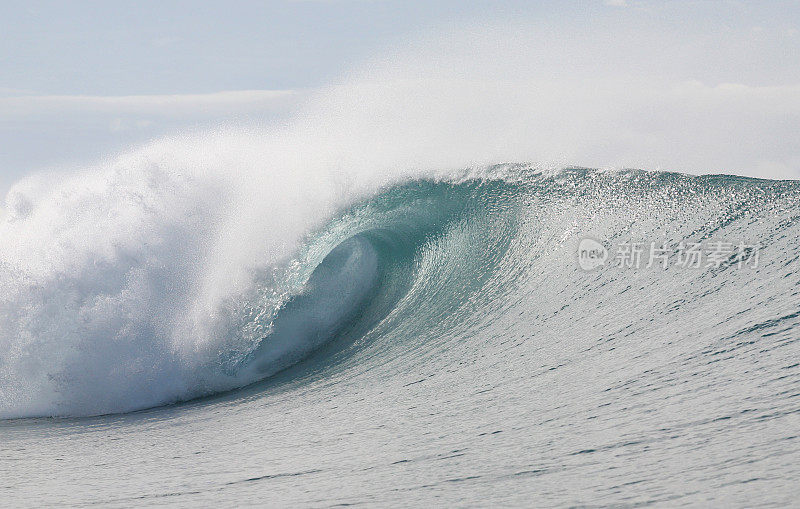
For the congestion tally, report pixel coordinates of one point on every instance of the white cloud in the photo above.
(181, 105)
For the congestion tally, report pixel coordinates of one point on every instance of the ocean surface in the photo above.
(504, 336)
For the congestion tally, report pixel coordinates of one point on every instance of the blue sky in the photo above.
(176, 47)
(81, 79)
(167, 47)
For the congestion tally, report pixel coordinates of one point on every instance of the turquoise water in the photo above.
(433, 341)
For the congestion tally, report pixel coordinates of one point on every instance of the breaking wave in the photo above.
(136, 286)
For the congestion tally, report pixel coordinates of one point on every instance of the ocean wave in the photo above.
(125, 289)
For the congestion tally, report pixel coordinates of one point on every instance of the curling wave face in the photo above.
(122, 288)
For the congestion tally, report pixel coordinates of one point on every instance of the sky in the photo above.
(81, 80)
